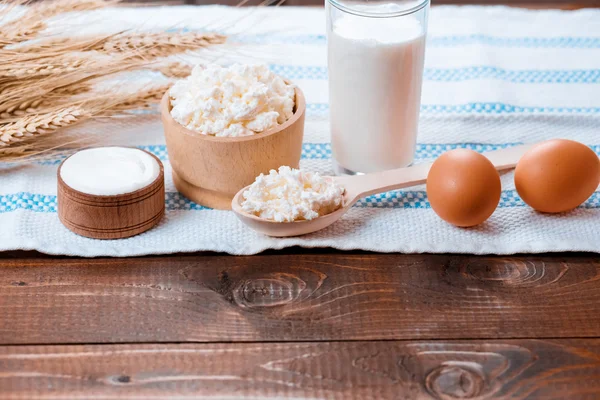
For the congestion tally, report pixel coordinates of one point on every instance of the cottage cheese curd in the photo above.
(239, 100)
(289, 195)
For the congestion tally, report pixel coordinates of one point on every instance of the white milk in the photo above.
(375, 76)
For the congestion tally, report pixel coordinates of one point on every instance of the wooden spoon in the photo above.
(360, 186)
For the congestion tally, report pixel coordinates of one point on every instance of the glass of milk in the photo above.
(376, 52)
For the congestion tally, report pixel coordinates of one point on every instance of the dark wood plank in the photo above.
(535, 4)
(297, 297)
(561, 4)
(515, 369)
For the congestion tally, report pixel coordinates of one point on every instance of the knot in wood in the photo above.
(271, 291)
(120, 379)
(455, 381)
(505, 272)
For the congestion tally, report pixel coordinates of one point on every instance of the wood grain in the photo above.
(515, 369)
(533, 4)
(563, 4)
(306, 297)
(112, 217)
(211, 170)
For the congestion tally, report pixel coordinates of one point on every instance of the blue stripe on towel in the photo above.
(527, 42)
(27, 201)
(177, 202)
(418, 199)
(475, 108)
(322, 151)
(481, 108)
(424, 151)
(295, 72)
(564, 42)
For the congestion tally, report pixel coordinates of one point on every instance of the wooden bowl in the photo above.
(211, 170)
(112, 217)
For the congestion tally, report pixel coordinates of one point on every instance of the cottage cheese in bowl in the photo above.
(240, 100)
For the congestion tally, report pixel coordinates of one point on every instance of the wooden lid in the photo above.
(112, 217)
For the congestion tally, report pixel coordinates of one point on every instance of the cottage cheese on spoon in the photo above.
(289, 195)
(239, 100)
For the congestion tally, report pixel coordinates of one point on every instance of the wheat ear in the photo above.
(175, 70)
(139, 100)
(44, 86)
(56, 96)
(33, 22)
(47, 9)
(27, 107)
(105, 103)
(54, 66)
(39, 124)
(149, 45)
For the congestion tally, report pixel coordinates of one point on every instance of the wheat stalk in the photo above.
(141, 99)
(105, 103)
(70, 90)
(58, 65)
(56, 96)
(52, 45)
(32, 150)
(46, 86)
(33, 22)
(81, 52)
(27, 107)
(47, 9)
(10, 33)
(175, 70)
(149, 45)
(40, 124)
(142, 45)
(49, 84)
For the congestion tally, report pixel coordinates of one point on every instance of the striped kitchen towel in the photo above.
(495, 77)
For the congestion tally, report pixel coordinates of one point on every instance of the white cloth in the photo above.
(494, 77)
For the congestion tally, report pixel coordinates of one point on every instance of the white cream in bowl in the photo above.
(109, 171)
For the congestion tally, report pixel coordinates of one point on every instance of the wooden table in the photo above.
(562, 4)
(300, 324)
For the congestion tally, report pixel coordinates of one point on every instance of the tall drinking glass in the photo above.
(376, 50)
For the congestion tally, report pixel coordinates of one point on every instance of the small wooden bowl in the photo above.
(211, 170)
(112, 217)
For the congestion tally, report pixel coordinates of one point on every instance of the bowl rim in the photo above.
(300, 109)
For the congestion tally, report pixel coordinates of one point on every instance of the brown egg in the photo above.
(557, 175)
(463, 187)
